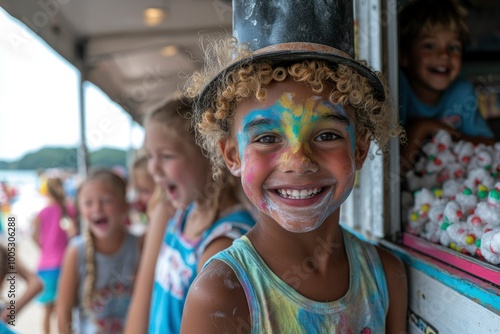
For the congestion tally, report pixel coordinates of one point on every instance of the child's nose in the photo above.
(99, 205)
(298, 161)
(153, 165)
(95, 207)
(443, 52)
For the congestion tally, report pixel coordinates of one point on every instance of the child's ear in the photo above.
(231, 156)
(362, 148)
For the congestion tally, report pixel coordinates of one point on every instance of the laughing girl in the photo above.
(99, 267)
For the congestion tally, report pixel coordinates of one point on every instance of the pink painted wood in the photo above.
(481, 269)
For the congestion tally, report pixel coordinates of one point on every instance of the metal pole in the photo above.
(82, 153)
(82, 149)
(392, 75)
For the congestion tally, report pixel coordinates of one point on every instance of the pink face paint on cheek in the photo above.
(248, 170)
(249, 177)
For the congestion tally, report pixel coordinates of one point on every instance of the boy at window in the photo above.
(432, 95)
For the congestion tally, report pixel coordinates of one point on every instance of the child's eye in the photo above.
(268, 139)
(167, 156)
(428, 46)
(326, 136)
(455, 48)
(106, 200)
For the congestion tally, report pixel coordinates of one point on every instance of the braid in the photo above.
(56, 191)
(120, 186)
(89, 282)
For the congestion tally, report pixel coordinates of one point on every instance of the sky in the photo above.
(39, 100)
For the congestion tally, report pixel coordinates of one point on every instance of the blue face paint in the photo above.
(291, 135)
(255, 123)
(292, 121)
(349, 128)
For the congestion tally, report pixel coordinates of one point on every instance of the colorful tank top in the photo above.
(275, 307)
(176, 266)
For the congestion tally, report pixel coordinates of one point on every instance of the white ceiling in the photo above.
(109, 41)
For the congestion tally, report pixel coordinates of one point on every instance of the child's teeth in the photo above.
(298, 194)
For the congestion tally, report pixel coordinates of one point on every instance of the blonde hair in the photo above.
(175, 115)
(427, 16)
(120, 187)
(140, 162)
(55, 189)
(374, 119)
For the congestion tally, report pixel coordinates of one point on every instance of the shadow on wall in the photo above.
(494, 124)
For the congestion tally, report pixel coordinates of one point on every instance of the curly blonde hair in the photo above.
(173, 114)
(213, 116)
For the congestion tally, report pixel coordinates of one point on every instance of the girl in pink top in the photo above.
(52, 237)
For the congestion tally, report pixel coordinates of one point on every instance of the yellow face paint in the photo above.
(293, 121)
(296, 135)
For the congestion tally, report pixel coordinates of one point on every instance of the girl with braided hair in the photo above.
(99, 266)
(209, 215)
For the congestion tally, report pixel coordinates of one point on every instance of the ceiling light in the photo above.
(169, 50)
(154, 16)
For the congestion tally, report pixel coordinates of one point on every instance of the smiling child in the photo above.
(433, 95)
(294, 119)
(99, 267)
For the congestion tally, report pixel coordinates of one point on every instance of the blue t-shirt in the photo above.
(457, 108)
(176, 266)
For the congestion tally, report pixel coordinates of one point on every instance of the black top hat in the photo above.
(283, 31)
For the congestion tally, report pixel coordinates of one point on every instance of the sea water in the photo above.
(18, 177)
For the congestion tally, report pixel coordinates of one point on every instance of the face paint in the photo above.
(279, 148)
(303, 219)
(255, 123)
(302, 120)
(292, 121)
(349, 128)
(298, 121)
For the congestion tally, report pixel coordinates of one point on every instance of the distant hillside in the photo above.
(4, 165)
(58, 157)
(108, 157)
